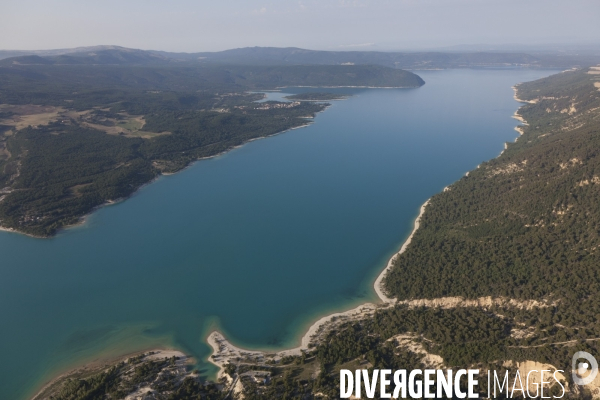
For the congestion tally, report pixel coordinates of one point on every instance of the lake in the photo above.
(259, 242)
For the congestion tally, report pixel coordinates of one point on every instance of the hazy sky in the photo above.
(187, 25)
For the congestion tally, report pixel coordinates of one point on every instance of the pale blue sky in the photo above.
(187, 25)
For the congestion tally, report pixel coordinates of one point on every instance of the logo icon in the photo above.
(578, 370)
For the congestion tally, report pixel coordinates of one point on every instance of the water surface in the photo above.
(259, 242)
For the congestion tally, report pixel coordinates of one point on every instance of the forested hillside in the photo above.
(414, 60)
(524, 225)
(41, 76)
(515, 242)
(274, 56)
(73, 137)
(504, 267)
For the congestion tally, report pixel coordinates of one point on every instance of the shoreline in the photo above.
(12, 230)
(378, 282)
(515, 88)
(224, 350)
(517, 116)
(83, 219)
(356, 87)
(101, 364)
(320, 101)
(97, 364)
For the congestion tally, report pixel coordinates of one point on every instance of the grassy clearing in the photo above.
(76, 190)
(129, 126)
(24, 116)
(132, 124)
(30, 115)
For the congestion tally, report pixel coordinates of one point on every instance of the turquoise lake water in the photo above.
(258, 242)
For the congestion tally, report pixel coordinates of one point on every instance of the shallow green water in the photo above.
(260, 241)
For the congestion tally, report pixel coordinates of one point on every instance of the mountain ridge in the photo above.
(117, 55)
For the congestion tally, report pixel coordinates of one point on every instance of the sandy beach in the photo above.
(519, 118)
(224, 351)
(521, 100)
(379, 280)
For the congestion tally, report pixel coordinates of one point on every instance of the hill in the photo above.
(101, 56)
(115, 55)
(501, 275)
(33, 71)
(76, 135)
(417, 60)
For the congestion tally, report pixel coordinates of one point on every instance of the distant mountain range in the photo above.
(116, 55)
(98, 55)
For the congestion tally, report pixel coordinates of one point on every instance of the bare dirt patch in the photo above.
(33, 115)
(4, 153)
(30, 115)
(533, 381)
(510, 168)
(481, 302)
(411, 343)
(76, 190)
(594, 71)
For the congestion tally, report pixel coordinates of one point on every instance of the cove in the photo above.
(258, 242)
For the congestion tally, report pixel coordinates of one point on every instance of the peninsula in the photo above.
(80, 131)
(473, 286)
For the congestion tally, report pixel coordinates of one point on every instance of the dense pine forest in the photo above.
(516, 241)
(75, 135)
(518, 235)
(522, 229)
